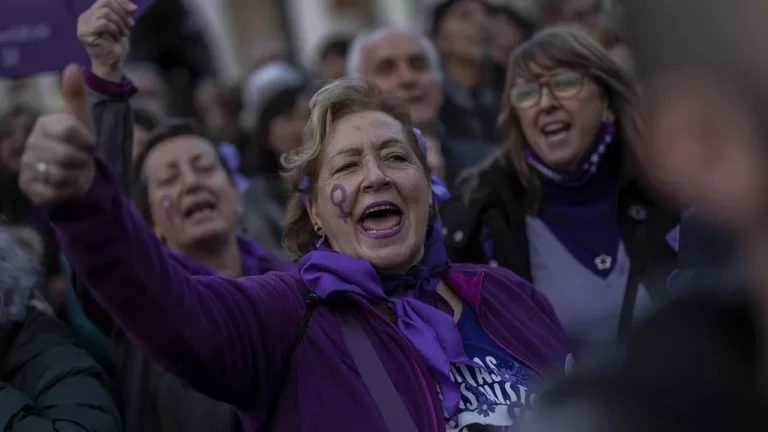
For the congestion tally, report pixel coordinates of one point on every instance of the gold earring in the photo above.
(316, 228)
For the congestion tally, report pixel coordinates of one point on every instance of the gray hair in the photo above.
(355, 56)
(21, 275)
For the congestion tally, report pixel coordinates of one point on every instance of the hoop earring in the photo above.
(316, 228)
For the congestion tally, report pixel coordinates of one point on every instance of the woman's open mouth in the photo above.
(381, 219)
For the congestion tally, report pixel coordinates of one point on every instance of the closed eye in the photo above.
(397, 158)
(167, 180)
(345, 167)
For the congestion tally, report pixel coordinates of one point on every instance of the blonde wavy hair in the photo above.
(564, 47)
(332, 103)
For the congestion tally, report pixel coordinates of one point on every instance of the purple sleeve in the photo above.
(118, 91)
(221, 335)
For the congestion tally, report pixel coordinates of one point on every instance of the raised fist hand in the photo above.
(57, 163)
(103, 30)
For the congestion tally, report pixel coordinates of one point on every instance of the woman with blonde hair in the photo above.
(560, 204)
(364, 335)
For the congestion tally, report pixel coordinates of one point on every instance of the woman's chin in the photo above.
(396, 257)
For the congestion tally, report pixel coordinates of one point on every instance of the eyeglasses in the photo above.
(562, 85)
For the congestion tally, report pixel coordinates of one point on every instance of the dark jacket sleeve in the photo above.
(113, 120)
(50, 384)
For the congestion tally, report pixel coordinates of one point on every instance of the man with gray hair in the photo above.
(405, 64)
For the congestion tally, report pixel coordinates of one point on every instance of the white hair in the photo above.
(355, 55)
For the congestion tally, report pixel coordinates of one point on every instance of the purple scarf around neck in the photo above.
(431, 331)
(586, 166)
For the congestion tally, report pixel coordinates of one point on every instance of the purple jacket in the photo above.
(230, 338)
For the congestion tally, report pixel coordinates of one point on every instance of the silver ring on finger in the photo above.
(41, 168)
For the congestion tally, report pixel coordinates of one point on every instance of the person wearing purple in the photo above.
(365, 329)
(189, 196)
(561, 204)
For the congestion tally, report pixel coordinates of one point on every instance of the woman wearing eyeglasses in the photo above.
(560, 204)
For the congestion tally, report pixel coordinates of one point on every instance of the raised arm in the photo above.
(103, 31)
(220, 335)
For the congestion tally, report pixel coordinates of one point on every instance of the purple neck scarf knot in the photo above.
(412, 297)
(586, 167)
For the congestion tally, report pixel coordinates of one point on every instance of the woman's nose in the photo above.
(374, 177)
(547, 99)
(189, 179)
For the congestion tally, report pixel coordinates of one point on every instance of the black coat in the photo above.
(501, 215)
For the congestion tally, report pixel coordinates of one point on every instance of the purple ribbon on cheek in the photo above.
(166, 202)
(341, 201)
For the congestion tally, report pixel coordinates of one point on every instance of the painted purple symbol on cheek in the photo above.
(166, 202)
(339, 191)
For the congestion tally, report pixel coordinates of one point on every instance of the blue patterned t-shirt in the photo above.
(497, 393)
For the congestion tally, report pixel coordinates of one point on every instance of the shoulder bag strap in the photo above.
(388, 400)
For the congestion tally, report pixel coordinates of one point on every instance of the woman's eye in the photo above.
(397, 158)
(345, 167)
(207, 167)
(166, 180)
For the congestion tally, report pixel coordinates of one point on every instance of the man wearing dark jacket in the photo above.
(47, 383)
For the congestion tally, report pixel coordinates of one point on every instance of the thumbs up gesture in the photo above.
(57, 163)
(103, 30)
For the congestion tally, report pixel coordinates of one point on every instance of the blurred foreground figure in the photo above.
(706, 95)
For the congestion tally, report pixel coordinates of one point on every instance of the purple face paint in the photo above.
(339, 198)
(166, 202)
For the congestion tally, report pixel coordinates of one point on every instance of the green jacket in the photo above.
(47, 383)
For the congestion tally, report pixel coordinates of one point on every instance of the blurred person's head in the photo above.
(585, 13)
(612, 38)
(184, 189)
(153, 94)
(267, 52)
(144, 123)
(705, 104)
(275, 111)
(15, 125)
(216, 109)
(562, 88)
(460, 30)
(332, 58)
(509, 29)
(404, 64)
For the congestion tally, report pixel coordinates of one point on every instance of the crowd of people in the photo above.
(501, 223)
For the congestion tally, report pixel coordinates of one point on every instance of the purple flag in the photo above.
(39, 36)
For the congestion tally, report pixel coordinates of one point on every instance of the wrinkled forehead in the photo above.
(181, 149)
(363, 132)
(393, 44)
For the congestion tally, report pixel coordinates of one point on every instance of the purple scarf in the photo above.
(431, 331)
(586, 166)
